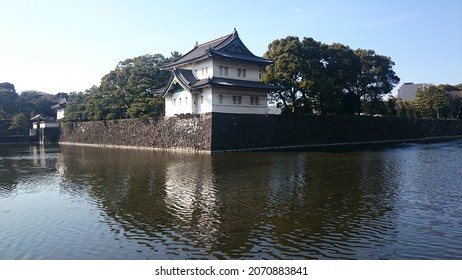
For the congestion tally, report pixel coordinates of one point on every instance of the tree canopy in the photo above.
(29, 102)
(433, 101)
(327, 79)
(128, 91)
(8, 100)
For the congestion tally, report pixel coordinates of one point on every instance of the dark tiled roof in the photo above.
(185, 76)
(187, 79)
(240, 84)
(229, 46)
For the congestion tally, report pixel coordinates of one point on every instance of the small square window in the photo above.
(251, 100)
(220, 70)
(225, 70)
(256, 100)
(243, 73)
(234, 99)
(220, 98)
(239, 99)
(238, 72)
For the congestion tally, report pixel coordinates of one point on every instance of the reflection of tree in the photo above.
(164, 200)
(125, 182)
(346, 205)
(303, 205)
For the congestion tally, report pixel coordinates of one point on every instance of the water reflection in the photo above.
(394, 203)
(256, 205)
(18, 164)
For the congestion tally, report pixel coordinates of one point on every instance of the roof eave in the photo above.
(175, 78)
(168, 87)
(171, 65)
(257, 60)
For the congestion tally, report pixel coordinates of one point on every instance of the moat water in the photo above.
(73, 202)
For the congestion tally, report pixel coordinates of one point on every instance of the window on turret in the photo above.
(237, 99)
(241, 72)
(223, 71)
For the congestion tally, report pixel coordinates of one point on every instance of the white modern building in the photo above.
(220, 76)
(408, 91)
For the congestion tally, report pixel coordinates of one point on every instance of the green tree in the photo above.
(286, 72)
(34, 102)
(8, 100)
(376, 78)
(128, 91)
(389, 106)
(101, 105)
(312, 71)
(405, 108)
(342, 67)
(454, 94)
(327, 79)
(432, 102)
(20, 123)
(75, 108)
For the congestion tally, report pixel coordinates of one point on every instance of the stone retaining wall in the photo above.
(240, 132)
(186, 133)
(233, 132)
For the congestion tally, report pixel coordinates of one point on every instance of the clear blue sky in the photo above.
(65, 46)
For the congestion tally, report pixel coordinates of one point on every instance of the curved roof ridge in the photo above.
(218, 40)
(222, 46)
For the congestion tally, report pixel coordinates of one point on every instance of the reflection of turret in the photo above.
(191, 196)
(256, 194)
(16, 162)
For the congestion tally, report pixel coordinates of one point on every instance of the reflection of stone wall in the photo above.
(235, 132)
(189, 133)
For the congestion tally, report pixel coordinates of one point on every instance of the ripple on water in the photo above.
(392, 203)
